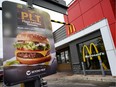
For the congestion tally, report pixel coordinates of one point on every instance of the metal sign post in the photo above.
(102, 70)
(84, 72)
(34, 83)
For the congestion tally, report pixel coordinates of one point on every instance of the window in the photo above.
(67, 56)
(63, 57)
(91, 52)
(58, 58)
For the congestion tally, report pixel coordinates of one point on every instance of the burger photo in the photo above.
(32, 48)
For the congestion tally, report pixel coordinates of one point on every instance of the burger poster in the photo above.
(28, 45)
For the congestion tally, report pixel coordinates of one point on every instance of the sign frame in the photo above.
(23, 19)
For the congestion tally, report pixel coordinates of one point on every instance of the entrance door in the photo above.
(91, 51)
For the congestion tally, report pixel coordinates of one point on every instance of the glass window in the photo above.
(63, 57)
(67, 56)
(58, 58)
(91, 52)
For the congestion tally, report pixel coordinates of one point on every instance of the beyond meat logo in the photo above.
(29, 72)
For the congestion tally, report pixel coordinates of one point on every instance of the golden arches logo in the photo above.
(71, 29)
(89, 50)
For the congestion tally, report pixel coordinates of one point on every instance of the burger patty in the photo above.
(29, 45)
(29, 55)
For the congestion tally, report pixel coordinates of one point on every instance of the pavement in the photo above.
(65, 76)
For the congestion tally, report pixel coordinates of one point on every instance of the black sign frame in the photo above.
(10, 25)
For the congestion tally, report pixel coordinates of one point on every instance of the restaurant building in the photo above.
(89, 46)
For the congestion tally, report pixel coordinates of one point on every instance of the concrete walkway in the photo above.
(64, 76)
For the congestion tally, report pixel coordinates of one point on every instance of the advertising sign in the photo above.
(28, 45)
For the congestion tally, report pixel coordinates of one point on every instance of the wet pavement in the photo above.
(64, 76)
(73, 80)
(80, 83)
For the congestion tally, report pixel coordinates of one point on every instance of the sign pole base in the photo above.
(34, 83)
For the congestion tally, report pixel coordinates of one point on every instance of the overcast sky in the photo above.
(53, 15)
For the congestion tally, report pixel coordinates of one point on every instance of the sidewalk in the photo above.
(64, 76)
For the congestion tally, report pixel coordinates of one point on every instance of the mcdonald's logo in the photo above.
(71, 29)
(89, 50)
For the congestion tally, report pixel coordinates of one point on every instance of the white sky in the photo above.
(53, 15)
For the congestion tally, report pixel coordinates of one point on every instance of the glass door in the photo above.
(91, 51)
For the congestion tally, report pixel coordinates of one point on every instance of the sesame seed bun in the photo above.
(32, 36)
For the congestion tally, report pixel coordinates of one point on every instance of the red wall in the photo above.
(83, 13)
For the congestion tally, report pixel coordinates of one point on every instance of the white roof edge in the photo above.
(83, 32)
